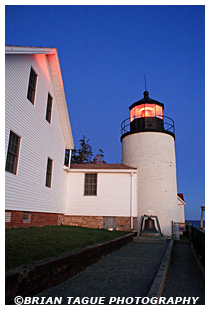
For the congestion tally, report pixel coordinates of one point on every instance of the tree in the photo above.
(99, 158)
(84, 154)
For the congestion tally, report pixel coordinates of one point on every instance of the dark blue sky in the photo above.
(105, 51)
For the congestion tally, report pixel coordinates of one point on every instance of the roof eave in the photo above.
(61, 99)
(94, 170)
(14, 49)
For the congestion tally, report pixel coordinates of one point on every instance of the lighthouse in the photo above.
(148, 143)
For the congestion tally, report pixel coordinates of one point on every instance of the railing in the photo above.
(197, 237)
(168, 124)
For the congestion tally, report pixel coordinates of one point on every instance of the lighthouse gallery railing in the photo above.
(168, 124)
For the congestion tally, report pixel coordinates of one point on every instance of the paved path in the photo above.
(127, 272)
(184, 277)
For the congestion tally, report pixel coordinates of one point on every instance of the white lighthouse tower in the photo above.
(148, 144)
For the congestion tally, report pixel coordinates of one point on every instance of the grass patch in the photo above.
(28, 245)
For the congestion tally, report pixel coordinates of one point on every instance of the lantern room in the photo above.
(146, 111)
(147, 115)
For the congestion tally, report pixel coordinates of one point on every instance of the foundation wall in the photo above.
(35, 219)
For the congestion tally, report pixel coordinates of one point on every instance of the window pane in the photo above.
(32, 86)
(49, 108)
(26, 217)
(149, 111)
(159, 112)
(12, 153)
(90, 187)
(49, 173)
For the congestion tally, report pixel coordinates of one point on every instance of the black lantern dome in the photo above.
(146, 99)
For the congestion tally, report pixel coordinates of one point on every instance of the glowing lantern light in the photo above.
(146, 111)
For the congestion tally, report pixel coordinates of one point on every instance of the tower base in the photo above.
(150, 234)
(158, 239)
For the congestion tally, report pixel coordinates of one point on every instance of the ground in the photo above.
(27, 245)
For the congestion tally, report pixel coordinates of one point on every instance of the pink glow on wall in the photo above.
(42, 62)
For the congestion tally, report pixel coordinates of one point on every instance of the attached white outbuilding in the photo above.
(181, 208)
(113, 194)
(113, 200)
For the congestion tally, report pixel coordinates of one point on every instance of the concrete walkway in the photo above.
(127, 272)
(130, 272)
(184, 277)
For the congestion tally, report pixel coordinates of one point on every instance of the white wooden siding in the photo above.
(39, 140)
(113, 195)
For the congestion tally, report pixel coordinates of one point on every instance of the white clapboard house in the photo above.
(43, 189)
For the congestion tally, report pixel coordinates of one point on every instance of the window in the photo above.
(7, 216)
(26, 217)
(12, 153)
(67, 157)
(90, 186)
(49, 173)
(32, 86)
(49, 108)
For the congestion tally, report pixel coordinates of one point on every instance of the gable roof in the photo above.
(180, 197)
(103, 166)
(57, 81)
